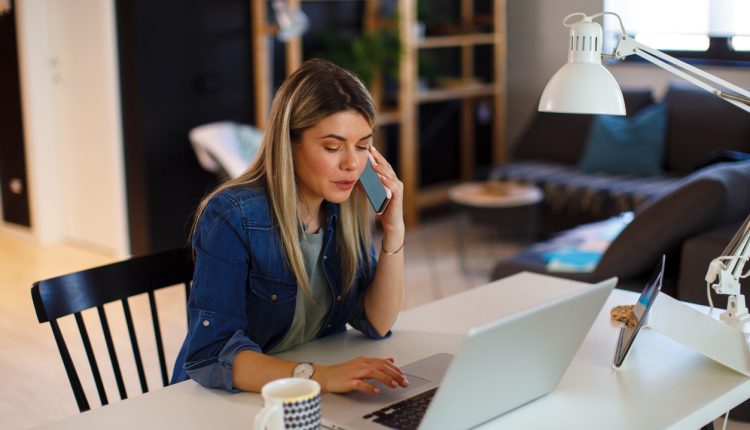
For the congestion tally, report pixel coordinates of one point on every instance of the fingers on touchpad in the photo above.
(387, 393)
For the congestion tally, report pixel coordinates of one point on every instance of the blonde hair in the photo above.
(313, 92)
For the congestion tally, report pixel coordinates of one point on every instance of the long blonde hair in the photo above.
(313, 92)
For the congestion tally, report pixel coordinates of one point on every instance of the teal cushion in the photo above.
(625, 145)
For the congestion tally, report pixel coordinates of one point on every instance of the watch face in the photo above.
(303, 370)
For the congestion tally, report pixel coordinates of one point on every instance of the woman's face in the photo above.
(330, 157)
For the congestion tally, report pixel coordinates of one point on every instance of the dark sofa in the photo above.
(697, 202)
(701, 129)
(705, 206)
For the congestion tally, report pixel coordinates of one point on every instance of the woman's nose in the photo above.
(350, 160)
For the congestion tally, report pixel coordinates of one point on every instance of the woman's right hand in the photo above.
(354, 374)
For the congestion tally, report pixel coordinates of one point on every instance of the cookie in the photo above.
(624, 313)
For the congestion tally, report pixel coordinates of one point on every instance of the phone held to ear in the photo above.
(374, 189)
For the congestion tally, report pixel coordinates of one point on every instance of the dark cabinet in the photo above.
(182, 64)
(14, 194)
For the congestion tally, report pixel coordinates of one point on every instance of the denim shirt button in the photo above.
(274, 297)
(338, 298)
(206, 323)
(325, 257)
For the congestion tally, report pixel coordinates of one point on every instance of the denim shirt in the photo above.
(244, 292)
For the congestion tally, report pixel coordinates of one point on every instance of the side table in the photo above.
(508, 208)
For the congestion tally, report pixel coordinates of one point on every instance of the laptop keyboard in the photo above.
(404, 415)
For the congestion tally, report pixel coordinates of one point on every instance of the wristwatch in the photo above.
(303, 370)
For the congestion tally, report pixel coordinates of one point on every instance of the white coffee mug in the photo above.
(289, 403)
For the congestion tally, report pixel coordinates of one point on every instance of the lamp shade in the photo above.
(583, 85)
(582, 88)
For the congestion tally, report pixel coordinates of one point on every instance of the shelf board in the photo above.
(457, 40)
(434, 195)
(388, 117)
(476, 90)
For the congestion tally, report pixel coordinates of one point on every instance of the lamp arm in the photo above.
(739, 250)
(629, 46)
(728, 267)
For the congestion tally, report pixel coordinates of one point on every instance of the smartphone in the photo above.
(374, 189)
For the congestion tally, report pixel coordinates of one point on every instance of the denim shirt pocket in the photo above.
(270, 308)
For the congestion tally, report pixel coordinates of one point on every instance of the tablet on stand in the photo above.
(629, 331)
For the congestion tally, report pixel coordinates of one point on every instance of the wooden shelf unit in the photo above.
(262, 34)
(406, 112)
(410, 97)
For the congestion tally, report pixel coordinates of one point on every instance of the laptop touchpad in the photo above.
(388, 394)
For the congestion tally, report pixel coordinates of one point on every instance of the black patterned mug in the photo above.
(290, 403)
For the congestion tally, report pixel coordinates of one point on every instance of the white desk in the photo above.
(661, 385)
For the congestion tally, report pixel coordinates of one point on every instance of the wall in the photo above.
(536, 50)
(640, 74)
(70, 97)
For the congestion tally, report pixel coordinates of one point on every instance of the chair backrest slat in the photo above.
(70, 369)
(157, 335)
(134, 344)
(75, 292)
(112, 353)
(92, 358)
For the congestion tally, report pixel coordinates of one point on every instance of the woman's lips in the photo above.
(345, 185)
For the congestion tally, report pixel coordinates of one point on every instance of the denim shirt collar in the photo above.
(332, 213)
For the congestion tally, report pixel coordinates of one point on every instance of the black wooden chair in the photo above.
(75, 292)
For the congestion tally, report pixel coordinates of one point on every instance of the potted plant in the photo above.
(372, 56)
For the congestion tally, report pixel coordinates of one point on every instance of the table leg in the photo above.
(462, 224)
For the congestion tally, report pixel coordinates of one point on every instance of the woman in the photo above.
(283, 254)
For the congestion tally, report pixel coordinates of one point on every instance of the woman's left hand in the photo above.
(392, 218)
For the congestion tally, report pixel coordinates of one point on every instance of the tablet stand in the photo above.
(700, 332)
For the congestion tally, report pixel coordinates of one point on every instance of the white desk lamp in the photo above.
(583, 85)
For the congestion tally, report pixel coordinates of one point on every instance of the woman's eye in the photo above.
(363, 148)
(331, 148)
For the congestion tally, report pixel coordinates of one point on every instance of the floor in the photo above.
(35, 389)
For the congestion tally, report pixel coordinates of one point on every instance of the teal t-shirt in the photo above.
(309, 312)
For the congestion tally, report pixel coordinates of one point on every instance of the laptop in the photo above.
(500, 366)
